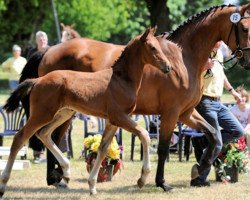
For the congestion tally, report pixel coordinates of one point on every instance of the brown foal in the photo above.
(110, 94)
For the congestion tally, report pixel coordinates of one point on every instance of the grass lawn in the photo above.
(31, 183)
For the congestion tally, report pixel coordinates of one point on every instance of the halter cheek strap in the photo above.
(235, 18)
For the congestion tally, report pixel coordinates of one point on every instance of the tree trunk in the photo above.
(159, 15)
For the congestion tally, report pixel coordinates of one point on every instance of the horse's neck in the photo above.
(129, 68)
(198, 39)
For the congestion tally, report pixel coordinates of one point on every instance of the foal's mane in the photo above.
(193, 20)
(115, 66)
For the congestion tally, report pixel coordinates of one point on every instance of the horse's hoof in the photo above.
(166, 187)
(1, 194)
(194, 171)
(140, 183)
(60, 185)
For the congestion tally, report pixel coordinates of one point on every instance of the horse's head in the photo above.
(240, 44)
(68, 32)
(153, 53)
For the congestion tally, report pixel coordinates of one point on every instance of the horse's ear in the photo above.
(153, 30)
(246, 10)
(145, 35)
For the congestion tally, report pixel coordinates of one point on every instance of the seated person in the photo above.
(241, 110)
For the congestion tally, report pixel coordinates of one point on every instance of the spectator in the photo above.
(41, 43)
(241, 110)
(214, 112)
(14, 65)
(34, 142)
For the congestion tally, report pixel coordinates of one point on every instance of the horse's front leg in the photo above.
(196, 121)
(166, 131)
(107, 137)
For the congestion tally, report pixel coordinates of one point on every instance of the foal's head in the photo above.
(68, 32)
(151, 52)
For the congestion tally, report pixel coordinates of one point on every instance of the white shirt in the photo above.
(242, 116)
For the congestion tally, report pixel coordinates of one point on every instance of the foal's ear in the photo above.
(144, 36)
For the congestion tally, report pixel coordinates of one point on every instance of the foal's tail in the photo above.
(30, 70)
(22, 91)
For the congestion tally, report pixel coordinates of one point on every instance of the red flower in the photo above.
(242, 143)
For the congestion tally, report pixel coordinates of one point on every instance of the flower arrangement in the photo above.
(232, 155)
(112, 159)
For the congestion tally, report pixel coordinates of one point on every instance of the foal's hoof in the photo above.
(140, 183)
(66, 179)
(166, 187)
(194, 171)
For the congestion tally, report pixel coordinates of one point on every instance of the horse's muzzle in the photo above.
(245, 62)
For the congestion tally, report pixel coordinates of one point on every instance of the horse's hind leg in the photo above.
(107, 137)
(45, 136)
(196, 121)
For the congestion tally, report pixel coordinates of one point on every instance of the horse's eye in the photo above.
(152, 48)
(245, 30)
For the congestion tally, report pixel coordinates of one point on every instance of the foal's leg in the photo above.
(45, 136)
(107, 137)
(125, 122)
(197, 122)
(21, 137)
(54, 176)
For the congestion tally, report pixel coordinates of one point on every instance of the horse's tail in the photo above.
(30, 70)
(22, 91)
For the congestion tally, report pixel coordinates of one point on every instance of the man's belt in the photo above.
(211, 98)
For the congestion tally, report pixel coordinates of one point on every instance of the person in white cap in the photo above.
(14, 65)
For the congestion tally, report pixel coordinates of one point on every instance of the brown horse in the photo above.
(110, 94)
(68, 32)
(175, 95)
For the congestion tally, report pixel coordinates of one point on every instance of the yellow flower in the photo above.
(94, 147)
(113, 153)
(88, 141)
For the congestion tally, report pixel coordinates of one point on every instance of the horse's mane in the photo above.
(193, 19)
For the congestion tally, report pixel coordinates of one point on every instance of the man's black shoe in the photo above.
(198, 183)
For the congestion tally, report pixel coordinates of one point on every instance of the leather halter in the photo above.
(239, 51)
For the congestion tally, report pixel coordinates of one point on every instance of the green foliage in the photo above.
(180, 10)
(106, 20)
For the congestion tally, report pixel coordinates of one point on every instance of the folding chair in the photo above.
(186, 133)
(152, 123)
(12, 122)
